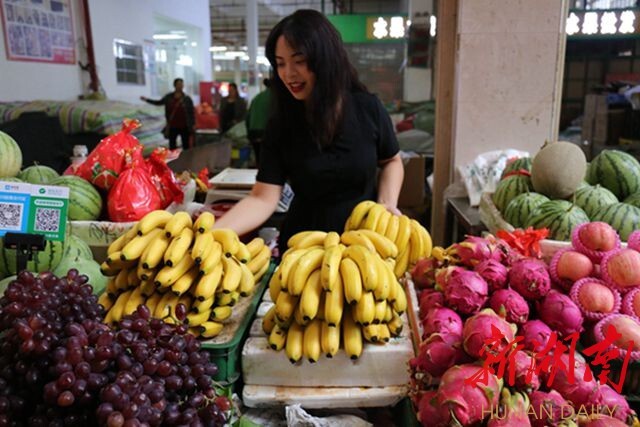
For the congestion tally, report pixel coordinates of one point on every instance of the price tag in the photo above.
(33, 209)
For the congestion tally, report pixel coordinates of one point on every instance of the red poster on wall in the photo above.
(38, 30)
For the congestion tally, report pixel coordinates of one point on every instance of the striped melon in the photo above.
(4, 283)
(522, 163)
(38, 174)
(45, 260)
(593, 199)
(10, 156)
(521, 206)
(509, 188)
(88, 267)
(76, 248)
(85, 203)
(617, 171)
(633, 199)
(11, 179)
(624, 218)
(559, 216)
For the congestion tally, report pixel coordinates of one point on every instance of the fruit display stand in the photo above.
(378, 378)
(494, 221)
(225, 348)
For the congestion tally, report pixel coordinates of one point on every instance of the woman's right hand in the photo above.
(144, 98)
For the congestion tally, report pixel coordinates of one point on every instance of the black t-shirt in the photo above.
(329, 182)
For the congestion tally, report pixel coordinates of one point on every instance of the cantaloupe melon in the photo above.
(558, 169)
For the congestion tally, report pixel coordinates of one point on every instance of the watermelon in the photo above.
(38, 174)
(85, 203)
(633, 199)
(617, 171)
(76, 248)
(509, 188)
(85, 266)
(521, 163)
(623, 217)
(45, 260)
(521, 206)
(10, 156)
(559, 216)
(4, 283)
(593, 198)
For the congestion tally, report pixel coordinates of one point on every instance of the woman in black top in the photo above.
(327, 136)
(232, 109)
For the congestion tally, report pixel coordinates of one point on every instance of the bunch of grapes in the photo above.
(60, 366)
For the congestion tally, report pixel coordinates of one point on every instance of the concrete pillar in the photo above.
(237, 72)
(509, 79)
(252, 47)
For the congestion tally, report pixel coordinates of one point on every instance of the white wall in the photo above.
(192, 12)
(25, 81)
(123, 19)
(509, 75)
(119, 19)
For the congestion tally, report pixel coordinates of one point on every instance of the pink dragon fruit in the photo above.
(429, 412)
(438, 353)
(512, 411)
(473, 250)
(530, 278)
(548, 409)
(600, 420)
(465, 403)
(466, 292)
(444, 274)
(423, 273)
(521, 372)
(510, 305)
(430, 298)
(536, 335)
(494, 273)
(614, 404)
(575, 389)
(442, 320)
(560, 313)
(479, 328)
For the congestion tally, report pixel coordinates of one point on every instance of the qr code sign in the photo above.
(10, 216)
(47, 219)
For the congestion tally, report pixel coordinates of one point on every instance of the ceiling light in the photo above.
(218, 49)
(168, 37)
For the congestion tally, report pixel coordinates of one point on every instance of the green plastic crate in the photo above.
(226, 353)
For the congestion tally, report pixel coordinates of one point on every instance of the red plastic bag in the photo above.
(134, 194)
(163, 177)
(105, 163)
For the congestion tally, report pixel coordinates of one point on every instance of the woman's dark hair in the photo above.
(311, 33)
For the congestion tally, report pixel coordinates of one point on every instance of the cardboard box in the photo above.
(412, 191)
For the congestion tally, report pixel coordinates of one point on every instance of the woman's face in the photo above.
(292, 69)
(233, 92)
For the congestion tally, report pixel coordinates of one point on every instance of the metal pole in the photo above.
(252, 48)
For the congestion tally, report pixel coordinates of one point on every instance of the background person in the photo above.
(180, 115)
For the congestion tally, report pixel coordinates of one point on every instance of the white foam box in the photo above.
(261, 396)
(378, 366)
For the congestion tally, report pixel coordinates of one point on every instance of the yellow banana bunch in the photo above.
(311, 340)
(204, 222)
(228, 239)
(153, 220)
(178, 247)
(177, 223)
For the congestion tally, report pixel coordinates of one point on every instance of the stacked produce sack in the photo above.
(60, 365)
(558, 190)
(481, 285)
(167, 259)
(331, 289)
